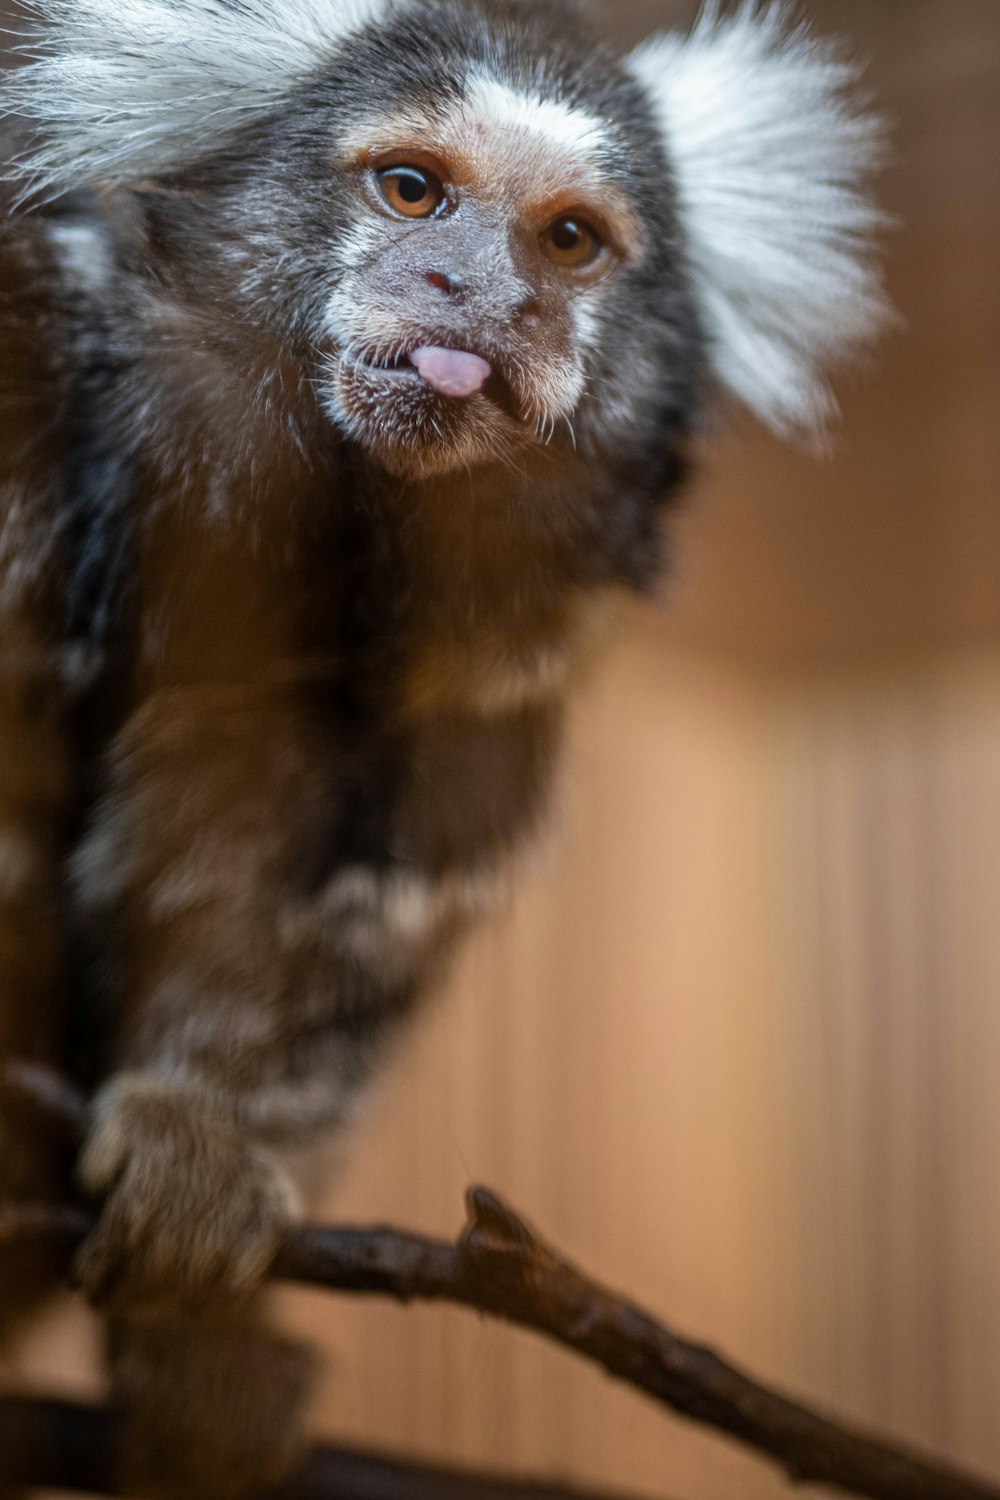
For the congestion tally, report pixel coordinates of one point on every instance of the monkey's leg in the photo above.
(231, 1066)
(207, 1398)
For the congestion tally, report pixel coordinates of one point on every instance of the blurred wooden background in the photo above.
(737, 1045)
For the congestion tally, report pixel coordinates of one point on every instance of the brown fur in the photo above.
(34, 774)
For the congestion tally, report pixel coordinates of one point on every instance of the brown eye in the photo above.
(572, 243)
(411, 191)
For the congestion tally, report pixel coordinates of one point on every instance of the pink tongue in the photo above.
(453, 372)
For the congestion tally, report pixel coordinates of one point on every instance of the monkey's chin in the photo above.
(414, 431)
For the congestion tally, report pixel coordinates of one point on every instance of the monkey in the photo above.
(352, 354)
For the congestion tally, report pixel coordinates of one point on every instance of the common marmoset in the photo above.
(350, 351)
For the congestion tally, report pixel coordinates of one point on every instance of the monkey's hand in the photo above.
(192, 1207)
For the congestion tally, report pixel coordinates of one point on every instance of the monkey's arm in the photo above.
(195, 1139)
(236, 1052)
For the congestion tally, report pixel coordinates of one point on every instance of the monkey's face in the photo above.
(469, 248)
(487, 239)
(480, 228)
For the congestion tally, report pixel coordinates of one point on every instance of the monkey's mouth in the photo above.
(383, 364)
(436, 379)
(456, 374)
(428, 408)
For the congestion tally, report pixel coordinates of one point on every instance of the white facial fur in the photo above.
(771, 156)
(492, 104)
(125, 88)
(770, 153)
(525, 154)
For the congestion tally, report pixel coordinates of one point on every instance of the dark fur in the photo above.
(241, 666)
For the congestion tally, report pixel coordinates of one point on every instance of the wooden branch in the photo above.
(64, 1446)
(499, 1266)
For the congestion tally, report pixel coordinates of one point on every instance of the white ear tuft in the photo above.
(771, 156)
(121, 89)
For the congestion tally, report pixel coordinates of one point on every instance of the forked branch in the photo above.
(499, 1266)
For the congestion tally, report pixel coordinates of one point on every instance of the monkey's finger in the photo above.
(108, 1267)
(104, 1157)
(136, 1260)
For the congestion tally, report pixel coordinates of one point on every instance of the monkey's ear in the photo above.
(772, 155)
(121, 89)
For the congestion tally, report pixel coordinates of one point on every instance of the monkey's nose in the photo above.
(524, 307)
(452, 283)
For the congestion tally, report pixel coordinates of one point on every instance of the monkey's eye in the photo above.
(571, 243)
(411, 191)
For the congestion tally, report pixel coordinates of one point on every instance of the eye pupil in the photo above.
(566, 235)
(411, 187)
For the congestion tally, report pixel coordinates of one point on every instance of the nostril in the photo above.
(447, 282)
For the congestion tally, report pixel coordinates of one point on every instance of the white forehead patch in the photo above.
(498, 106)
(521, 144)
